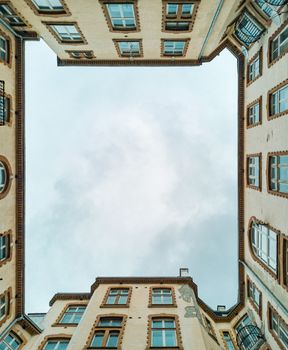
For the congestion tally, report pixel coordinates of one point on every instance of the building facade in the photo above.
(162, 33)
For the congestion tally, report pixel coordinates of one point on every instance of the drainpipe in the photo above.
(267, 290)
(212, 25)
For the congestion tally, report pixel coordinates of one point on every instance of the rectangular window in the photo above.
(107, 332)
(129, 48)
(254, 68)
(4, 49)
(73, 314)
(279, 45)
(4, 247)
(278, 101)
(10, 342)
(278, 328)
(49, 5)
(10, 15)
(178, 16)
(210, 328)
(228, 342)
(163, 333)
(122, 16)
(67, 32)
(254, 113)
(4, 110)
(117, 296)
(162, 296)
(285, 262)
(174, 48)
(179, 9)
(4, 305)
(278, 173)
(254, 295)
(264, 245)
(254, 171)
(56, 344)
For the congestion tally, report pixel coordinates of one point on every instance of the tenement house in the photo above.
(157, 312)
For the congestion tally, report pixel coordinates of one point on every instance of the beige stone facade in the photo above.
(158, 32)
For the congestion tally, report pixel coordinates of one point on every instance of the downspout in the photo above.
(212, 25)
(264, 287)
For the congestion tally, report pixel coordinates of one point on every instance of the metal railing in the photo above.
(276, 2)
(246, 30)
(250, 338)
(2, 102)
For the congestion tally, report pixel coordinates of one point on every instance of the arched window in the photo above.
(3, 177)
(264, 245)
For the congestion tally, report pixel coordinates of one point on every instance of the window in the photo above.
(86, 54)
(67, 32)
(162, 296)
(210, 328)
(278, 173)
(117, 297)
(3, 177)
(122, 16)
(107, 332)
(4, 49)
(56, 344)
(278, 328)
(264, 245)
(247, 30)
(10, 342)
(278, 100)
(228, 342)
(254, 68)
(10, 15)
(174, 48)
(254, 111)
(285, 262)
(4, 110)
(49, 5)
(4, 247)
(4, 305)
(178, 16)
(266, 8)
(247, 337)
(129, 48)
(278, 45)
(163, 332)
(73, 314)
(254, 171)
(254, 295)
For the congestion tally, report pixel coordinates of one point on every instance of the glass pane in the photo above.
(98, 339)
(112, 341)
(111, 300)
(157, 338)
(187, 9)
(122, 300)
(170, 338)
(172, 9)
(63, 345)
(169, 324)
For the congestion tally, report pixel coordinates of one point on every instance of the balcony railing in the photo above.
(247, 30)
(276, 2)
(2, 102)
(250, 338)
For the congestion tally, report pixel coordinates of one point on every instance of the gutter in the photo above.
(212, 25)
(267, 290)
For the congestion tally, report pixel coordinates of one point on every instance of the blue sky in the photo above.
(130, 171)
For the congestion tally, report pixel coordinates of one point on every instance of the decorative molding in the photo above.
(69, 296)
(104, 302)
(60, 336)
(233, 339)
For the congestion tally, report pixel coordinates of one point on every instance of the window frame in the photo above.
(276, 34)
(258, 56)
(109, 21)
(258, 101)
(7, 234)
(54, 337)
(273, 192)
(251, 285)
(231, 335)
(21, 339)
(185, 48)
(173, 296)
(179, 17)
(270, 93)
(55, 34)
(104, 301)
(58, 322)
(7, 295)
(7, 102)
(163, 316)
(210, 329)
(7, 167)
(248, 184)
(23, 22)
(118, 49)
(8, 60)
(285, 262)
(270, 310)
(96, 327)
(53, 13)
(274, 274)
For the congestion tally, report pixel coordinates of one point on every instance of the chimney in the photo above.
(183, 272)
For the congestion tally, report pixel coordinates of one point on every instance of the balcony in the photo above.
(250, 338)
(2, 103)
(247, 30)
(276, 2)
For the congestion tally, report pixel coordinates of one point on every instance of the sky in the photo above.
(130, 172)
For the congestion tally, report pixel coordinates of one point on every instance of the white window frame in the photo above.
(276, 101)
(10, 14)
(162, 295)
(276, 165)
(71, 36)
(57, 343)
(277, 45)
(10, 343)
(279, 327)
(163, 331)
(254, 294)
(254, 114)
(49, 5)
(254, 68)
(130, 50)
(122, 17)
(254, 171)
(262, 239)
(174, 51)
(73, 314)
